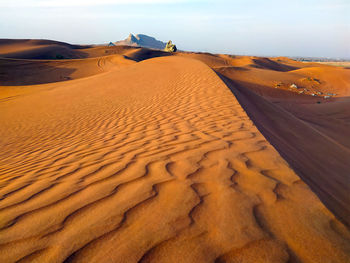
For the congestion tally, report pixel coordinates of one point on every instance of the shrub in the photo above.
(59, 56)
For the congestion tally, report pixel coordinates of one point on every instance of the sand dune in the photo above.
(20, 72)
(157, 161)
(48, 49)
(311, 133)
(39, 49)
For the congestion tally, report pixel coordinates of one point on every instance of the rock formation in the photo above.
(170, 47)
(141, 40)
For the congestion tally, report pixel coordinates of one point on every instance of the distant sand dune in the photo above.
(20, 72)
(48, 49)
(154, 161)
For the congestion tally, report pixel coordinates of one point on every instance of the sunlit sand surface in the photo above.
(131, 155)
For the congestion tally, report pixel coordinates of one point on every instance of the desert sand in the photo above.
(121, 154)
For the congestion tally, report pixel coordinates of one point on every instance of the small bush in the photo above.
(59, 56)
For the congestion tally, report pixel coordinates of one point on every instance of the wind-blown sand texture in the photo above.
(155, 160)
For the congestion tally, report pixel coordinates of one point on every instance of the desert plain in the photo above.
(128, 154)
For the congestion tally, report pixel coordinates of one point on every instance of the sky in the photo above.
(305, 28)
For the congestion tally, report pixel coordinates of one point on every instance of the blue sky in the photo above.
(315, 28)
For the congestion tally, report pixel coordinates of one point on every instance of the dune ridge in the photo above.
(309, 132)
(154, 161)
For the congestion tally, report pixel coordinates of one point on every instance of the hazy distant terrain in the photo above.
(141, 40)
(345, 64)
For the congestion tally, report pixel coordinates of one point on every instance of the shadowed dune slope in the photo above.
(31, 62)
(39, 49)
(153, 162)
(19, 72)
(49, 49)
(145, 53)
(311, 133)
(321, 161)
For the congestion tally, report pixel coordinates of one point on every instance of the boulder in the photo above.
(170, 47)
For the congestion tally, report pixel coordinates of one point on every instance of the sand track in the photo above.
(153, 162)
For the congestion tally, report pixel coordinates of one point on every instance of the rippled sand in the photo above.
(154, 161)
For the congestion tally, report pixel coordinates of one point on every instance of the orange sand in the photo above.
(132, 158)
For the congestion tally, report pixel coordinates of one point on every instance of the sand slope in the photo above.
(39, 49)
(153, 162)
(20, 72)
(49, 49)
(311, 133)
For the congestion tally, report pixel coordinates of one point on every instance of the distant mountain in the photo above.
(141, 40)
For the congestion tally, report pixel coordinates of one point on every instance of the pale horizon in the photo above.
(269, 28)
